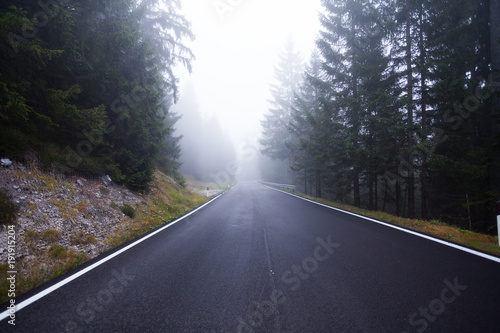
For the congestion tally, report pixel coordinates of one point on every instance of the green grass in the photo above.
(51, 236)
(8, 210)
(103, 190)
(57, 251)
(81, 238)
(199, 186)
(166, 202)
(128, 210)
(62, 261)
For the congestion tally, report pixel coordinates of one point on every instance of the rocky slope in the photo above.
(76, 211)
(64, 221)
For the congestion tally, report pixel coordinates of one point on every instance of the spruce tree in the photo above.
(308, 145)
(351, 45)
(275, 134)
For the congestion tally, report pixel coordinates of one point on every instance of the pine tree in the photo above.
(460, 161)
(351, 45)
(494, 12)
(305, 105)
(308, 145)
(168, 158)
(166, 29)
(275, 134)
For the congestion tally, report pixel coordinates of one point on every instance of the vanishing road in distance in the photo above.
(259, 260)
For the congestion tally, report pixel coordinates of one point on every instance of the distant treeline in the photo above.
(398, 109)
(86, 86)
(207, 151)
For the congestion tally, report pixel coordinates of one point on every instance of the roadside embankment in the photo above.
(63, 222)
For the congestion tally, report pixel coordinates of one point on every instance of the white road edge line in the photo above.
(76, 275)
(437, 240)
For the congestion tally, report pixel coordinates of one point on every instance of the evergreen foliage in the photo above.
(86, 85)
(275, 135)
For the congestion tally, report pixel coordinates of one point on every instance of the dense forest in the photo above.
(86, 86)
(397, 110)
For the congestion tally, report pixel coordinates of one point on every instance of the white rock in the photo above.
(107, 180)
(5, 162)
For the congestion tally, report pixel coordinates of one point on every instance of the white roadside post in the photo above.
(207, 191)
(498, 221)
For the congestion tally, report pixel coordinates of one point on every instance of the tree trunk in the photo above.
(311, 186)
(423, 182)
(495, 79)
(357, 196)
(424, 95)
(423, 70)
(305, 181)
(411, 178)
(386, 190)
(318, 183)
(370, 192)
(398, 198)
(355, 121)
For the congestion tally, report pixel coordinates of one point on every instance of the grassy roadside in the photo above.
(166, 201)
(481, 242)
(198, 186)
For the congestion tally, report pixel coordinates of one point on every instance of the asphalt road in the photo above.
(258, 260)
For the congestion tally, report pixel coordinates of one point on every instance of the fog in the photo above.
(224, 98)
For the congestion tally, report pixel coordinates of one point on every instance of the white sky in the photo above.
(236, 50)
